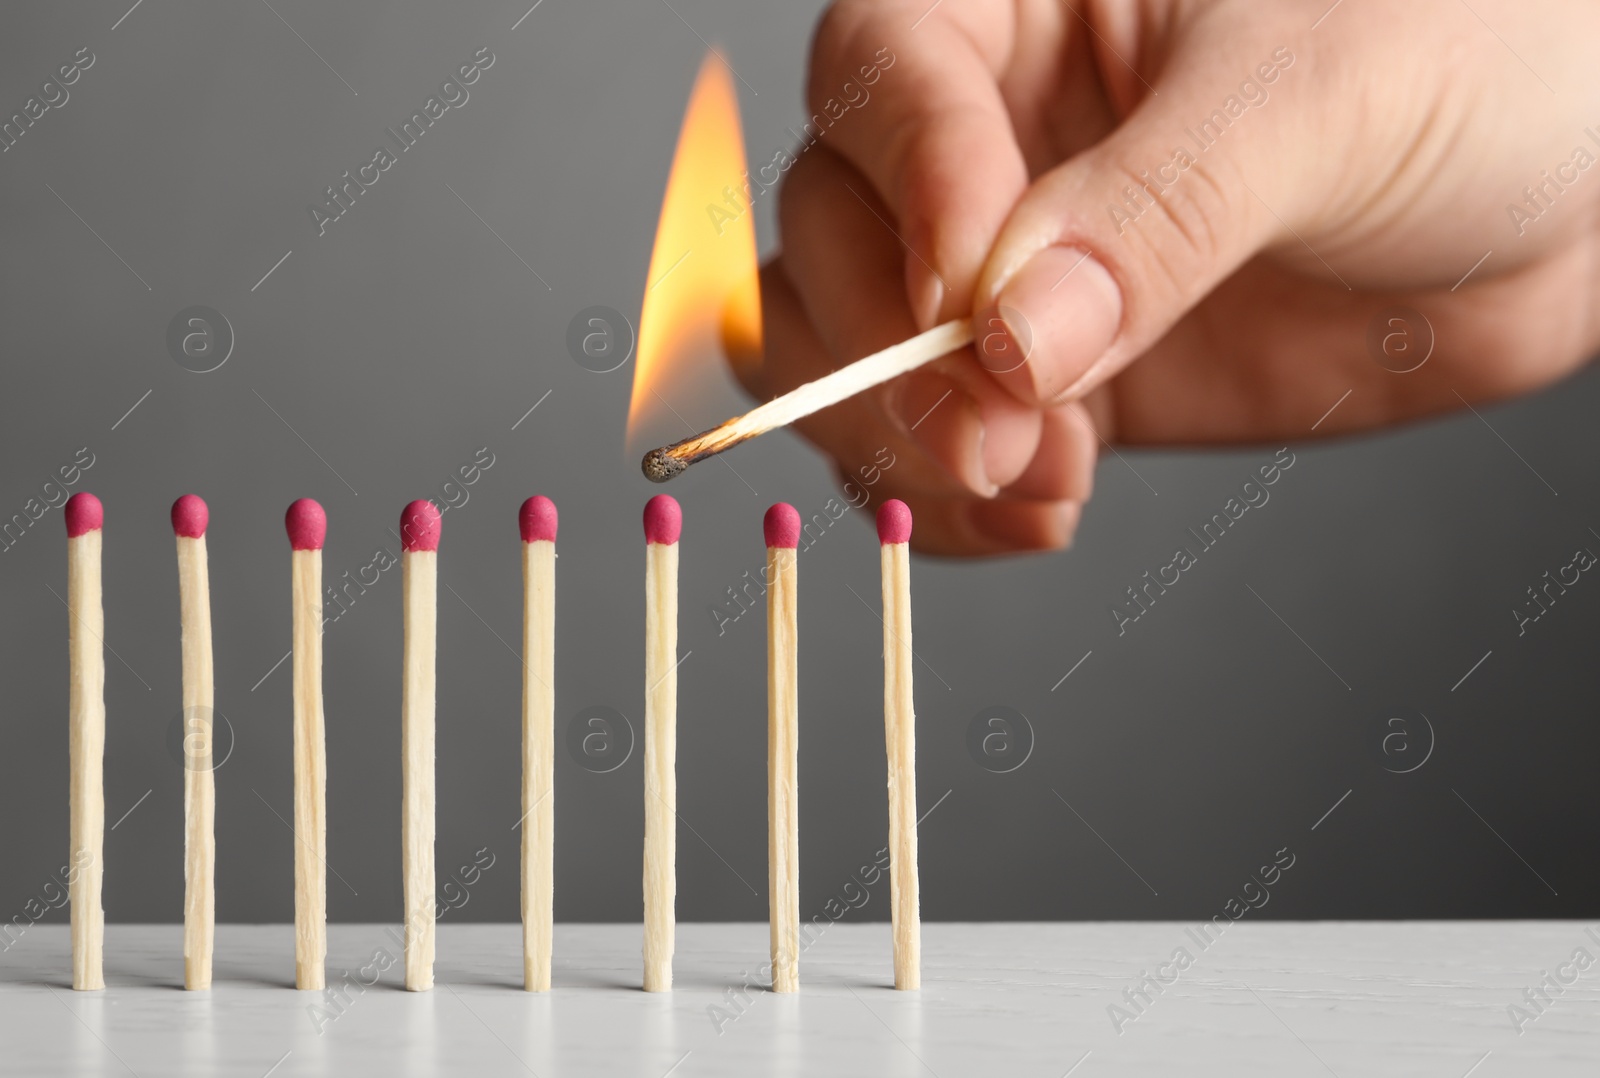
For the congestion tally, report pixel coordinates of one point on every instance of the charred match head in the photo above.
(659, 465)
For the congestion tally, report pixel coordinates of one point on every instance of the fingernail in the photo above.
(925, 291)
(1064, 309)
(936, 413)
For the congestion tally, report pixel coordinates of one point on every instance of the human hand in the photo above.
(1192, 212)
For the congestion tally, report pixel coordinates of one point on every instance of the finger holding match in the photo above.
(307, 525)
(660, 465)
(782, 530)
(900, 735)
(189, 519)
(86, 735)
(663, 523)
(419, 574)
(537, 520)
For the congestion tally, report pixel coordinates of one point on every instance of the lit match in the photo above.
(662, 464)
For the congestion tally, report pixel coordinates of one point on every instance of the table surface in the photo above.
(1279, 999)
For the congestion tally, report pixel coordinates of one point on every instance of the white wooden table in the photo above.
(1276, 999)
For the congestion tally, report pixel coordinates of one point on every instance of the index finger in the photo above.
(910, 95)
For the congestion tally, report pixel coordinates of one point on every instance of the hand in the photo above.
(1191, 213)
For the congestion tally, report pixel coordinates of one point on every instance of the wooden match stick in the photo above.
(782, 529)
(662, 464)
(419, 573)
(663, 523)
(86, 726)
(537, 520)
(900, 733)
(307, 526)
(189, 519)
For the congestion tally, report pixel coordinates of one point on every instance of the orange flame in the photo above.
(702, 291)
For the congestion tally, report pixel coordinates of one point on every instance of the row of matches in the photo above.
(419, 535)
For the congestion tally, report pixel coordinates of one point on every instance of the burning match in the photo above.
(662, 464)
(703, 290)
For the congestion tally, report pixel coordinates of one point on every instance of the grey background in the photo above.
(1172, 762)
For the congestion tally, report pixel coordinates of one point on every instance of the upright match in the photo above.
(782, 529)
(900, 735)
(189, 519)
(307, 526)
(86, 737)
(663, 524)
(419, 574)
(662, 464)
(537, 520)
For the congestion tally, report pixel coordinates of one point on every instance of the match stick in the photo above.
(663, 523)
(307, 526)
(86, 726)
(537, 520)
(419, 573)
(782, 529)
(662, 464)
(189, 519)
(900, 733)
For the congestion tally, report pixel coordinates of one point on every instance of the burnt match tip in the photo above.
(659, 466)
(84, 514)
(663, 519)
(894, 522)
(307, 524)
(190, 516)
(537, 519)
(420, 524)
(781, 526)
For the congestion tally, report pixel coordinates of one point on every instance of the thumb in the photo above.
(1106, 252)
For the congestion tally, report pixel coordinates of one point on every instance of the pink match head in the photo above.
(537, 519)
(663, 519)
(307, 524)
(419, 526)
(894, 522)
(84, 514)
(781, 525)
(190, 516)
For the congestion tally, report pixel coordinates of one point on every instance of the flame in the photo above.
(702, 291)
